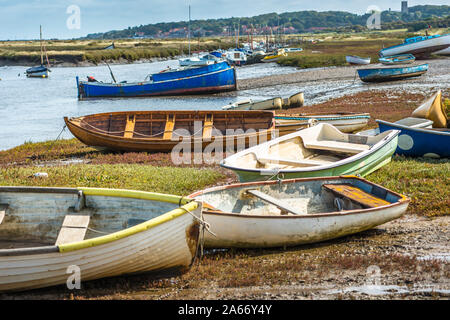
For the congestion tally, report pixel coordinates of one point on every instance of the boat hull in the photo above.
(264, 231)
(419, 48)
(391, 74)
(209, 79)
(166, 245)
(418, 142)
(357, 60)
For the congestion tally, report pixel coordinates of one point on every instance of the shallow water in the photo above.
(33, 109)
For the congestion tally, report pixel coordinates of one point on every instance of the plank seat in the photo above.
(170, 124)
(276, 202)
(129, 128)
(73, 229)
(357, 195)
(3, 208)
(337, 146)
(207, 127)
(301, 162)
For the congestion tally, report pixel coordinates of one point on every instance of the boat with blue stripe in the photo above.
(398, 59)
(421, 46)
(420, 142)
(391, 73)
(217, 77)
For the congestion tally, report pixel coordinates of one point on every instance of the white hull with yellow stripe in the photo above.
(161, 242)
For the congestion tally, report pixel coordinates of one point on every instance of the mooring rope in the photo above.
(337, 89)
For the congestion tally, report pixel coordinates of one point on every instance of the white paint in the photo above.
(405, 142)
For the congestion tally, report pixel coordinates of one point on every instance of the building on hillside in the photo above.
(404, 6)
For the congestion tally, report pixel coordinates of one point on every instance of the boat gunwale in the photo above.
(389, 137)
(398, 68)
(401, 201)
(186, 205)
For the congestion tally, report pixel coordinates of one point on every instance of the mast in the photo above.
(189, 31)
(42, 53)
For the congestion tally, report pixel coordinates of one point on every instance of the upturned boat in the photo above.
(345, 122)
(391, 73)
(294, 212)
(216, 77)
(420, 46)
(53, 236)
(357, 60)
(398, 59)
(161, 131)
(318, 151)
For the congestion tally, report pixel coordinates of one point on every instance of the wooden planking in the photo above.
(73, 229)
(129, 127)
(276, 202)
(170, 124)
(3, 208)
(289, 162)
(357, 195)
(207, 126)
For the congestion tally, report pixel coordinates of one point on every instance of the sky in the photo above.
(66, 19)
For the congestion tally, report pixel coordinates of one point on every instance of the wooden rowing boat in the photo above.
(345, 122)
(398, 59)
(47, 233)
(433, 109)
(318, 151)
(161, 131)
(293, 212)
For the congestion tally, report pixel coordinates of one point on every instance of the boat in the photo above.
(274, 56)
(398, 59)
(433, 109)
(39, 71)
(318, 151)
(391, 73)
(48, 234)
(294, 212)
(294, 101)
(217, 77)
(249, 104)
(344, 122)
(236, 57)
(421, 46)
(293, 49)
(162, 131)
(357, 60)
(429, 114)
(419, 142)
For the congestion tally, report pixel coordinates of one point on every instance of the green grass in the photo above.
(425, 181)
(170, 180)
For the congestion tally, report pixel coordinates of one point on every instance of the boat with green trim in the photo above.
(318, 151)
(55, 236)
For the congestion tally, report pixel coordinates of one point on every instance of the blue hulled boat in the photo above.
(420, 142)
(216, 77)
(421, 46)
(391, 73)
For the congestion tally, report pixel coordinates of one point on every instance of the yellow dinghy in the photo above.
(50, 235)
(275, 57)
(433, 109)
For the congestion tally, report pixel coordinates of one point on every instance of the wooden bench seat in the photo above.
(357, 195)
(3, 208)
(73, 229)
(337, 146)
(276, 202)
(301, 162)
(129, 127)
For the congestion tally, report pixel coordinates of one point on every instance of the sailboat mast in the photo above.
(189, 31)
(42, 53)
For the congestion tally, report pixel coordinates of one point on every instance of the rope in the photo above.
(57, 138)
(341, 88)
(96, 231)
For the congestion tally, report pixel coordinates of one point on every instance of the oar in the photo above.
(112, 75)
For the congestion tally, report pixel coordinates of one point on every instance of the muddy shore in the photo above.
(408, 258)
